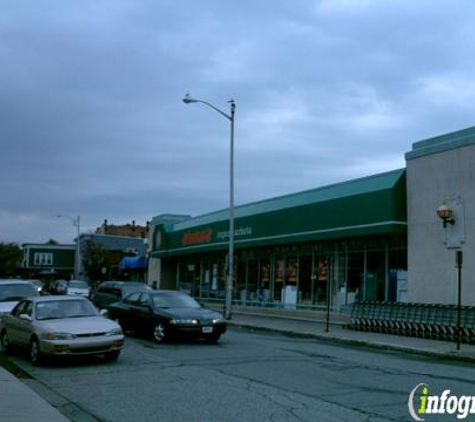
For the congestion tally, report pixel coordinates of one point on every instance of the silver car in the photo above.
(60, 326)
(12, 291)
(76, 287)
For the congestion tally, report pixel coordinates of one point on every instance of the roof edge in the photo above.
(446, 142)
(221, 214)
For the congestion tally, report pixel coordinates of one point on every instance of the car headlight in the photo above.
(114, 332)
(184, 321)
(217, 320)
(59, 336)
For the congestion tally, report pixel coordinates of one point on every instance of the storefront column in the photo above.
(314, 277)
(365, 271)
(386, 272)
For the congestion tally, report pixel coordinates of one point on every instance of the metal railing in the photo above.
(433, 321)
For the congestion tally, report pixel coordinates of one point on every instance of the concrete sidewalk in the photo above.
(314, 325)
(19, 403)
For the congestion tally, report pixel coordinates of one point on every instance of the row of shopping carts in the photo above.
(434, 321)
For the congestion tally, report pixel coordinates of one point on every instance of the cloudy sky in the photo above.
(92, 121)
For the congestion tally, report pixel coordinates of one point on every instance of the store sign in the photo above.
(239, 231)
(193, 238)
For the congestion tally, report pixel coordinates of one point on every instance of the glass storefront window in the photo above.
(355, 274)
(189, 281)
(292, 271)
(306, 280)
(253, 279)
(264, 281)
(321, 280)
(241, 285)
(375, 275)
(279, 278)
(305, 275)
(397, 261)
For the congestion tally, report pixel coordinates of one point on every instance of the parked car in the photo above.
(58, 287)
(60, 326)
(166, 314)
(61, 287)
(77, 287)
(12, 291)
(113, 291)
(38, 284)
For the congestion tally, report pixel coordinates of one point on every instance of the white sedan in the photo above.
(77, 287)
(60, 326)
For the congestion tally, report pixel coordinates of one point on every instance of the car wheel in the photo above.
(212, 339)
(6, 345)
(159, 332)
(35, 353)
(111, 356)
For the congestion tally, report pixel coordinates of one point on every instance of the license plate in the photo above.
(207, 329)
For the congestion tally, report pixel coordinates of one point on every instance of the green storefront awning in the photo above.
(374, 205)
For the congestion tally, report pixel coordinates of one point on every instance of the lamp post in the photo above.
(76, 222)
(229, 282)
(452, 214)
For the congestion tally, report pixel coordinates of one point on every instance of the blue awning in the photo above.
(132, 263)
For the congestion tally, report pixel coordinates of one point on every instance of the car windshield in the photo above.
(133, 288)
(60, 309)
(78, 284)
(12, 292)
(175, 300)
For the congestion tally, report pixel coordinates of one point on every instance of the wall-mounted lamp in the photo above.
(446, 214)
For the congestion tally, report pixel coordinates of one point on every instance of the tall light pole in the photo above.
(77, 264)
(230, 279)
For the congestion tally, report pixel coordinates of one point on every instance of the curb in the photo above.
(361, 343)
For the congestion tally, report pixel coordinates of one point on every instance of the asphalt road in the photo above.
(247, 376)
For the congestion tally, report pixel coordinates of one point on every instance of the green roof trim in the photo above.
(442, 143)
(367, 206)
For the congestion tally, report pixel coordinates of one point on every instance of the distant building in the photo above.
(343, 242)
(129, 230)
(48, 261)
(115, 249)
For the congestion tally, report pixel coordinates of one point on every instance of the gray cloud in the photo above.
(93, 123)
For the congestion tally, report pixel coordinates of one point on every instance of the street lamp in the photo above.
(77, 264)
(229, 283)
(447, 215)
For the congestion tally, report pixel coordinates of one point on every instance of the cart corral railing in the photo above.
(433, 321)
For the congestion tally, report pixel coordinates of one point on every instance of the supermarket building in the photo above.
(374, 238)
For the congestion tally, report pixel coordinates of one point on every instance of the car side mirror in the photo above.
(25, 317)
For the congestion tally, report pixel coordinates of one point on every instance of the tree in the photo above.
(94, 258)
(11, 257)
